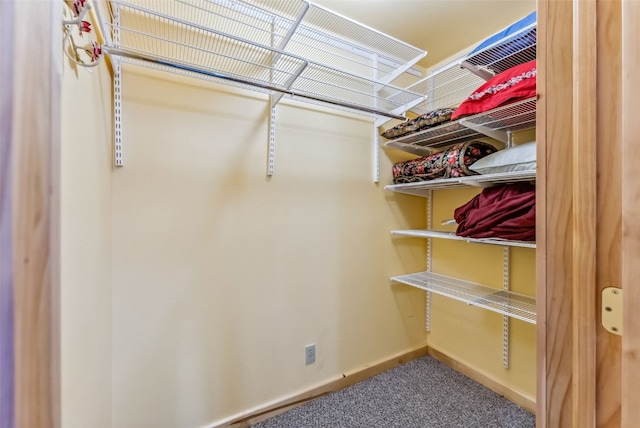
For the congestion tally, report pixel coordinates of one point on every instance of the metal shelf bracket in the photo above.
(505, 137)
(484, 74)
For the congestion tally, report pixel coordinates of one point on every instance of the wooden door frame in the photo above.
(33, 201)
(630, 213)
(554, 231)
(584, 184)
(579, 181)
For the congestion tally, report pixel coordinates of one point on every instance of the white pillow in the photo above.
(517, 158)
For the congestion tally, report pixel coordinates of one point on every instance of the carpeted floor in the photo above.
(423, 393)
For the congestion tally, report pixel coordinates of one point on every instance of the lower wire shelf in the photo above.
(427, 233)
(507, 303)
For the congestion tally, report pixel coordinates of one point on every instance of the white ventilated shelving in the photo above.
(422, 188)
(440, 234)
(289, 48)
(504, 53)
(498, 123)
(448, 86)
(451, 84)
(507, 303)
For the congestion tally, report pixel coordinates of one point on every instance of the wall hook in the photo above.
(85, 55)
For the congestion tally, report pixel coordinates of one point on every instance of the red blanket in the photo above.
(507, 212)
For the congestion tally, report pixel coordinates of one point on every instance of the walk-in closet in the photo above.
(250, 205)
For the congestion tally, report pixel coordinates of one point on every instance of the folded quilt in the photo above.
(426, 120)
(506, 212)
(453, 162)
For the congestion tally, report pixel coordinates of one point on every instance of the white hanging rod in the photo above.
(161, 62)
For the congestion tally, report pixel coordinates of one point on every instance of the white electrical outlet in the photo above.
(310, 354)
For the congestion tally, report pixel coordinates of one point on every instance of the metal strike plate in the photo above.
(612, 310)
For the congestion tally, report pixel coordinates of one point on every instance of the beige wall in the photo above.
(86, 311)
(221, 276)
(191, 281)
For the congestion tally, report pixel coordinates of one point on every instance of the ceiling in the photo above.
(441, 27)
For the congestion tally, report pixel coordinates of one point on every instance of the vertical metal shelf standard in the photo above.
(505, 318)
(429, 257)
(117, 95)
(293, 49)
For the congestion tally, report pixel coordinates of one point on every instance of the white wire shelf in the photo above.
(428, 233)
(507, 303)
(422, 188)
(294, 48)
(513, 117)
(508, 52)
(449, 85)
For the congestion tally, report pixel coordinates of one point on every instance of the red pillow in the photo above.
(511, 85)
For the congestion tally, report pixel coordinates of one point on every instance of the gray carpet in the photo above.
(422, 393)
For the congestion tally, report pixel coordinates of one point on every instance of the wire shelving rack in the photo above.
(289, 48)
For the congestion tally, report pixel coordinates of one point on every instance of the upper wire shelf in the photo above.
(449, 85)
(509, 51)
(294, 48)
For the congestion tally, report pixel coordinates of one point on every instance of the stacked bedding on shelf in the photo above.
(517, 158)
(511, 83)
(504, 212)
(426, 120)
(453, 162)
(515, 84)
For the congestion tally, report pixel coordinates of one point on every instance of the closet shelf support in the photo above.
(292, 30)
(271, 150)
(484, 74)
(429, 259)
(278, 95)
(505, 319)
(505, 137)
(117, 92)
(274, 98)
(117, 114)
(238, 80)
